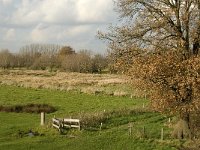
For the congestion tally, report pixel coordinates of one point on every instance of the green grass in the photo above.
(66, 102)
(114, 134)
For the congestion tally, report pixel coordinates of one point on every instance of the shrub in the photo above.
(95, 119)
(29, 108)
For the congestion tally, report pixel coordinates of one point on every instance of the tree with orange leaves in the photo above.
(158, 43)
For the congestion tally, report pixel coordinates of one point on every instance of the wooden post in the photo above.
(144, 130)
(130, 129)
(101, 126)
(145, 95)
(79, 124)
(143, 105)
(42, 119)
(169, 120)
(162, 134)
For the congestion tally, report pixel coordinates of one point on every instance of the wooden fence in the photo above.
(66, 123)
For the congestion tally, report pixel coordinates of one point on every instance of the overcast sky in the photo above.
(66, 22)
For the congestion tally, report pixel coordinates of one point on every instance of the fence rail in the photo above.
(65, 122)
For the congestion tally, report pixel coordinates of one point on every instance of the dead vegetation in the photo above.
(84, 83)
(95, 119)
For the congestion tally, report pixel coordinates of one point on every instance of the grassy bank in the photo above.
(122, 111)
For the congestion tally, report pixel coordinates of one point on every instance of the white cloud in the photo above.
(41, 33)
(62, 11)
(93, 11)
(45, 33)
(75, 31)
(6, 2)
(26, 13)
(30, 12)
(57, 21)
(10, 35)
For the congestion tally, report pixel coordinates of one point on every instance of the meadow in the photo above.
(116, 113)
(107, 84)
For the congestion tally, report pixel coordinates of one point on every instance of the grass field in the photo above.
(114, 135)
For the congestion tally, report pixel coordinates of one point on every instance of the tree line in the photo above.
(53, 57)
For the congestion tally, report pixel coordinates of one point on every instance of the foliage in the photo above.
(66, 50)
(173, 82)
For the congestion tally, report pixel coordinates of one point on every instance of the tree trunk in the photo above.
(196, 44)
(182, 128)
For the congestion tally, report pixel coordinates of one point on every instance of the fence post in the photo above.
(145, 95)
(162, 134)
(42, 122)
(169, 120)
(101, 126)
(143, 105)
(130, 129)
(144, 132)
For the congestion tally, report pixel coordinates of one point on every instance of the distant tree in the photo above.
(84, 57)
(79, 62)
(71, 63)
(31, 55)
(45, 62)
(63, 54)
(66, 50)
(99, 62)
(6, 59)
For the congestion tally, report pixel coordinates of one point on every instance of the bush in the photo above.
(29, 108)
(94, 120)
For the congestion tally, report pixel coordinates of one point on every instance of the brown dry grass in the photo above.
(85, 83)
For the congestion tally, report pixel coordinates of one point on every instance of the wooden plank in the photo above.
(56, 126)
(71, 120)
(71, 126)
(56, 120)
(66, 125)
(75, 126)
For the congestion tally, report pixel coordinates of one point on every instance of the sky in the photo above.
(65, 22)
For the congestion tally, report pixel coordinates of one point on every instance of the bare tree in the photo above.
(99, 62)
(6, 59)
(158, 25)
(85, 60)
(31, 55)
(79, 62)
(63, 54)
(71, 63)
